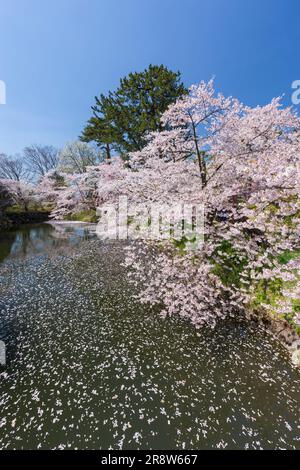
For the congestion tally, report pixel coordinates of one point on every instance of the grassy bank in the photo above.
(83, 216)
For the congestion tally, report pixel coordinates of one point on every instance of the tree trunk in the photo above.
(200, 156)
(108, 154)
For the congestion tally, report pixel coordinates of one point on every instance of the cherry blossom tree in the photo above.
(242, 164)
(21, 193)
(78, 193)
(190, 125)
(248, 160)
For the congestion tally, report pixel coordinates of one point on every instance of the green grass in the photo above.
(287, 256)
(31, 208)
(83, 216)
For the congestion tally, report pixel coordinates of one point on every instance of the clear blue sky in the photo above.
(55, 55)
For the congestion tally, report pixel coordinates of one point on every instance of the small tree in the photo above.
(76, 156)
(22, 194)
(50, 187)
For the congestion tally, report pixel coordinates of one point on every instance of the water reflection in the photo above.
(6, 242)
(33, 239)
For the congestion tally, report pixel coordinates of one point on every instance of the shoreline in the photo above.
(281, 330)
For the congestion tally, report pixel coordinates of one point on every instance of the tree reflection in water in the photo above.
(41, 238)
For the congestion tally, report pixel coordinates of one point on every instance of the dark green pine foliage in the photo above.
(122, 119)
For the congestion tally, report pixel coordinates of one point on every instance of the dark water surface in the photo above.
(88, 367)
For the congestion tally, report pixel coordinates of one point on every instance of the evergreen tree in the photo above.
(122, 119)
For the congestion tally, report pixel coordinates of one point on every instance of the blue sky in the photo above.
(56, 55)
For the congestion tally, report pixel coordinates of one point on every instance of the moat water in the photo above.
(88, 367)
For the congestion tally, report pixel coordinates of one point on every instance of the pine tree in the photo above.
(122, 119)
